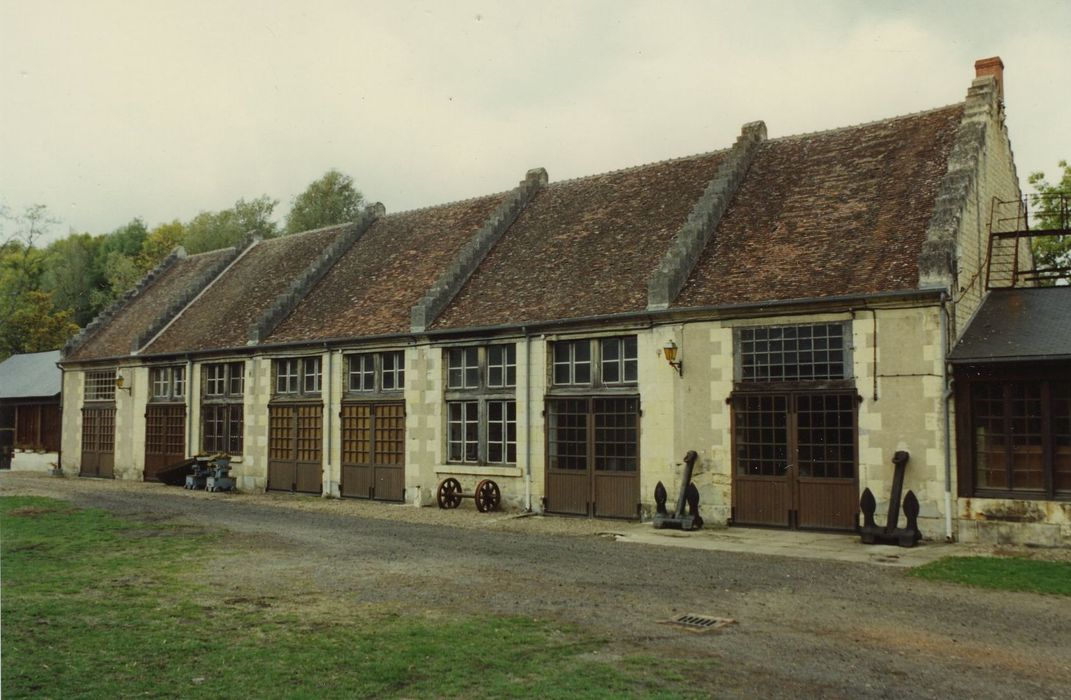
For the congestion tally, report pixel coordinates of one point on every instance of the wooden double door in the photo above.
(98, 441)
(373, 450)
(593, 456)
(295, 447)
(165, 438)
(795, 460)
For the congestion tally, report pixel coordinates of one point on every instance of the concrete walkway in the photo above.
(789, 543)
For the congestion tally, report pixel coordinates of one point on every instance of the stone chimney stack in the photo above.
(994, 67)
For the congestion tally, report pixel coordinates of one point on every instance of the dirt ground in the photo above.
(804, 628)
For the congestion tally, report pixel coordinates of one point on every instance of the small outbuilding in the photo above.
(30, 410)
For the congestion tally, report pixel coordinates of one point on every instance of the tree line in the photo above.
(49, 292)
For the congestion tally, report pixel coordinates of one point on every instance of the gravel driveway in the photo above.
(804, 628)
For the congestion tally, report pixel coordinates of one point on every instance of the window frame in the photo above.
(296, 371)
(227, 408)
(474, 397)
(596, 364)
(99, 386)
(1049, 379)
(172, 379)
(377, 365)
(740, 353)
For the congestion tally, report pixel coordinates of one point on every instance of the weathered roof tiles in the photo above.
(371, 289)
(220, 318)
(116, 337)
(583, 247)
(829, 213)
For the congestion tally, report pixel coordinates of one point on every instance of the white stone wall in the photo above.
(1012, 521)
(995, 178)
(30, 461)
(71, 420)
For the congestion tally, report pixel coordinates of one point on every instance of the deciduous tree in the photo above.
(328, 201)
(1049, 203)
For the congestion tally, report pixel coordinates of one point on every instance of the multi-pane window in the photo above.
(619, 363)
(167, 383)
(100, 385)
(222, 412)
(463, 368)
(481, 408)
(599, 432)
(311, 375)
(376, 372)
(1021, 434)
(811, 352)
(298, 375)
(392, 376)
(589, 362)
(501, 365)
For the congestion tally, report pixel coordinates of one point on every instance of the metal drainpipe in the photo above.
(189, 407)
(945, 396)
(329, 376)
(528, 420)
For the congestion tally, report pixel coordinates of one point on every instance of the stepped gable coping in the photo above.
(108, 313)
(204, 280)
(202, 285)
(937, 260)
(450, 282)
(288, 300)
(688, 243)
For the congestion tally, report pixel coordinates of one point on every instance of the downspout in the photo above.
(189, 407)
(328, 379)
(528, 421)
(946, 395)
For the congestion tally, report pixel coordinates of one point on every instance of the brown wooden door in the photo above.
(98, 441)
(795, 460)
(593, 457)
(373, 451)
(165, 438)
(295, 447)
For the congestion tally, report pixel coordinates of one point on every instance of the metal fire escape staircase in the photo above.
(1009, 260)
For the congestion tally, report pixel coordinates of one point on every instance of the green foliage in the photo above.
(159, 243)
(328, 201)
(1001, 573)
(1048, 213)
(95, 606)
(223, 229)
(74, 276)
(33, 324)
(29, 320)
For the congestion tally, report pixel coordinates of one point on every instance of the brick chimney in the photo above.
(994, 67)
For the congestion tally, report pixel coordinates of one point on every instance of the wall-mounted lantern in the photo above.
(120, 383)
(669, 351)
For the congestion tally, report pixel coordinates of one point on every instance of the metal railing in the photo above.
(1013, 226)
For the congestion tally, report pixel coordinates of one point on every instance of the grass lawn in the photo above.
(95, 606)
(1003, 573)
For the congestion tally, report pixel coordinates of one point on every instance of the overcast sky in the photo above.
(111, 110)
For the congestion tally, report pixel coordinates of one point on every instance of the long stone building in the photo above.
(785, 307)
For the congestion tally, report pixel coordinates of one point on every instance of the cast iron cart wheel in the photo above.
(449, 493)
(487, 496)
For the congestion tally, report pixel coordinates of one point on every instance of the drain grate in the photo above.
(701, 623)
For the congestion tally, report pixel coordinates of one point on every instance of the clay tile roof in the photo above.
(583, 247)
(831, 213)
(372, 288)
(117, 336)
(220, 318)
